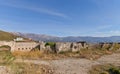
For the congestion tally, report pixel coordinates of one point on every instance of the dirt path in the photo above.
(72, 66)
(77, 66)
(82, 66)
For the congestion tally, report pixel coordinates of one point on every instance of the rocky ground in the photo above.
(82, 66)
(4, 70)
(71, 65)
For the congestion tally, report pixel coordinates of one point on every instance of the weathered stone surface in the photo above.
(76, 47)
(68, 46)
(62, 46)
(19, 46)
(42, 46)
(107, 46)
(49, 48)
(4, 70)
(59, 46)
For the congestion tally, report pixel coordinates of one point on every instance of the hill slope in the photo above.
(6, 36)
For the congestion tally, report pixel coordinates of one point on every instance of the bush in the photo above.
(114, 71)
(51, 44)
(105, 69)
(116, 46)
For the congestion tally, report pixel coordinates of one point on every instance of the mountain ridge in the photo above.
(48, 38)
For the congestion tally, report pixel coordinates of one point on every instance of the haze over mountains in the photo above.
(41, 37)
(47, 38)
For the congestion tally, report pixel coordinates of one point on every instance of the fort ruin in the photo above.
(19, 46)
(59, 46)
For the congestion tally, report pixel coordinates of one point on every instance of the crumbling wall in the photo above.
(63, 46)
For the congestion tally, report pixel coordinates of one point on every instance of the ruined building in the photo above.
(57, 47)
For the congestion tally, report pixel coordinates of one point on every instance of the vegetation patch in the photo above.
(51, 44)
(5, 36)
(7, 60)
(91, 54)
(105, 69)
(27, 68)
(35, 55)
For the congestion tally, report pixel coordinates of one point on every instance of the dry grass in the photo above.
(103, 69)
(27, 68)
(35, 55)
(46, 55)
(93, 53)
(7, 59)
(21, 54)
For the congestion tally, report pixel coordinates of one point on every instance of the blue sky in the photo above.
(61, 17)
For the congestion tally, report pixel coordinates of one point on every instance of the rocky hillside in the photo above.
(6, 36)
(47, 38)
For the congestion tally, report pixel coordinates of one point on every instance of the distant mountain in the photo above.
(37, 37)
(47, 38)
(6, 36)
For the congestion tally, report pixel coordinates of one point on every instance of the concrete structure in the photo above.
(19, 39)
(19, 46)
(25, 46)
(62, 46)
(42, 45)
(108, 45)
(76, 46)
(58, 47)
(69, 46)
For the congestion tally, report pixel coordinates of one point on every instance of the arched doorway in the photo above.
(5, 48)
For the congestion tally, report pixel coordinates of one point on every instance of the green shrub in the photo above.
(114, 70)
(51, 44)
(105, 69)
(116, 46)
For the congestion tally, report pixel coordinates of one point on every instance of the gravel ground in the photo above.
(4, 70)
(82, 66)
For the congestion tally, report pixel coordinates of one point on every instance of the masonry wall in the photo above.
(9, 43)
(25, 46)
(59, 46)
(19, 46)
(63, 46)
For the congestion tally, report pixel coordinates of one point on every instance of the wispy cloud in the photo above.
(36, 9)
(107, 33)
(104, 27)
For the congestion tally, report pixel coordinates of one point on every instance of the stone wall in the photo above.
(25, 46)
(19, 46)
(69, 46)
(106, 45)
(59, 46)
(76, 46)
(42, 46)
(8, 43)
(63, 46)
